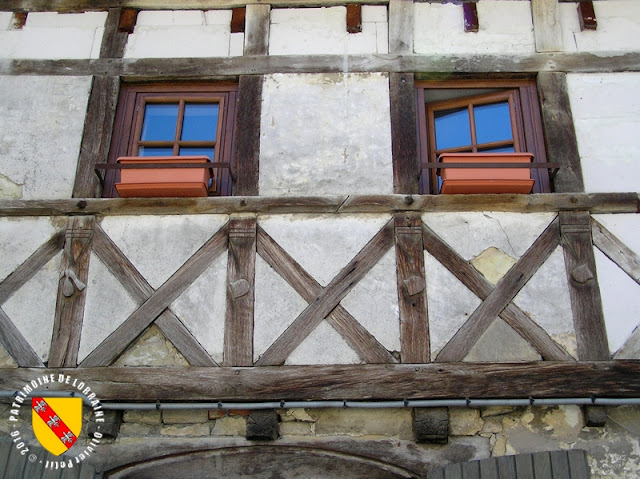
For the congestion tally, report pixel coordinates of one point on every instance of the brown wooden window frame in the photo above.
(133, 98)
(528, 135)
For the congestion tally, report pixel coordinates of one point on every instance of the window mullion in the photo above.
(180, 121)
(472, 125)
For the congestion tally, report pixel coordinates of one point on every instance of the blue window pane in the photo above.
(493, 122)
(146, 151)
(503, 149)
(159, 122)
(200, 122)
(452, 128)
(197, 152)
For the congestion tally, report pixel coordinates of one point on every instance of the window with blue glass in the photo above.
(176, 120)
(468, 116)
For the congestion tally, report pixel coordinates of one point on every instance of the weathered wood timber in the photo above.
(400, 26)
(412, 289)
(470, 13)
(328, 298)
(137, 322)
(72, 295)
(238, 326)
(546, 202)
(15, 343)
(546, 25)
(404, 138)
(562, 144)
(140, 290)
(482, 287)
(616, 250)
(536, 379)
(257, 30)
(245, 165)
(586, 304)
(231, 67)
(360, 340)
(501, 296)
(113, 39)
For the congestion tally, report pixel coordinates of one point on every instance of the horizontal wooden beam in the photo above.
(367, 382)
(226, 67)
(545, 202)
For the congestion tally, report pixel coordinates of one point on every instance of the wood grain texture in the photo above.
(354, 18)
(328, 298)
(245, 167)
(256, 35)
(546, 25)
(616, 250)
(537, 203)
(367, 382)
(404, 138)
(401, 26)
(560, 134)
(67, 325)
(586, 304)
(587, 16)
(358, 338)
(140, 290)
(96, 136)
(114, 39)
(506, 289)
(109, 350)
(412, 290)
(238, 328)
(16, 344)
(522, 323)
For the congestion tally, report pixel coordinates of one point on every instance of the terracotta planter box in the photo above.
(170, 182)
(486, 180)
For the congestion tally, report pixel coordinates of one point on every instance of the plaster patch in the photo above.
(374, 302)
(323, 245)
(9, 190)
(20, 238)
(472, 232)
(108, 304)
(323, 346)
(449, 303)
(501, 343)
(631, 348)
(621, 317)
(179, 41)
(159, 245)
(202, 307)
(6, 361)
(32, 308)
(152, 348)
(493, 264)
(623, 227)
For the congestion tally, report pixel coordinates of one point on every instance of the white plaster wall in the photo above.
(605, 110)
(504, 26)
(325, 134)
(316, 31)
(51, 35)
(186, 34)
(618, 27)
(41, 123)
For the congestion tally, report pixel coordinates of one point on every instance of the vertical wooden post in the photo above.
(401, 26)
(412, 289)
(74, 272)
(354, 18)
(587, 16)
(404, 136)
(238, 329)
(546, 25)
(246, 152)
(586, 304)
(562, 144)
(256, 34)
(470, 13)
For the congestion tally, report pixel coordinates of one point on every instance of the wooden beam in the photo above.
(238, 328)
(538, 379)
(256, 35)
(546, 25)
(109, 350)
(537, 203)
(482, 287)
(119, 23)
(560, 133)
(358, 338)
(404, 136)
(230, 67)
(506, 289)
(412, 289)
(615, 250)
(245, 164)
(354, 18)
(238, 16)
(74, 268)
(401, 26)
(587, 16)
(470, 14)
(328, 298)
(16, 344)
(586, 304)
(140, 290)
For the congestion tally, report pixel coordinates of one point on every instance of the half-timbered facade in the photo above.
(422, 330)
